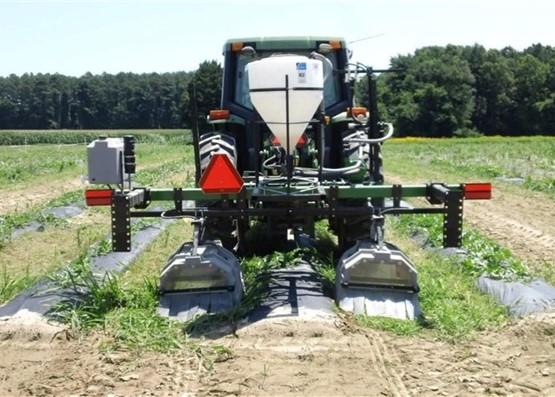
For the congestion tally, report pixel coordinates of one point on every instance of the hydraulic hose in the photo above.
(372, 141)
(351, 169)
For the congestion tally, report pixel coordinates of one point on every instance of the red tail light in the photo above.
(98, 197)
(302, 141)
(477, 191)
(221, 176)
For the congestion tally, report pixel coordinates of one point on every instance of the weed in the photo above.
(398, 327)
(127, 313)
(10, 284)
(484, 256)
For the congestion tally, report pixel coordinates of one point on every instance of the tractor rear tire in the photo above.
(222, 229)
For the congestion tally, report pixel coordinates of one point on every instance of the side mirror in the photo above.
(248, 51)
(324, 48)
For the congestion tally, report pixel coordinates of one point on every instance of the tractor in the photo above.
(287, 148)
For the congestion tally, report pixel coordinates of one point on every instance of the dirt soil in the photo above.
(287, 357)
(23, 198)
(524, 225)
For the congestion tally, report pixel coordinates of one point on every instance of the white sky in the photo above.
(73, 37)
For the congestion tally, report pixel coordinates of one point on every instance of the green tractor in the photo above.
(286, 149)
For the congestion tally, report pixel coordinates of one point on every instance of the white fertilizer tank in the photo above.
(267, 88)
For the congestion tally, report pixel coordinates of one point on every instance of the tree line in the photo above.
(123, 100)
(464, 90)
(438, 91)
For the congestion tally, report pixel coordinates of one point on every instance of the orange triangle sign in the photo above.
(221, 176)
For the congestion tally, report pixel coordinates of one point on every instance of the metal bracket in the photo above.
(436, 193)
(242, 203)
(177, 199)
(197, 226)
(396, 192)
(121, 223)
(333, 194)
(142, 199)
(376, 229)
(453, 218)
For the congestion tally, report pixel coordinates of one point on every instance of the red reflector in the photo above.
(221, 176)
(219, 114)
(477, 191)
(98, 197)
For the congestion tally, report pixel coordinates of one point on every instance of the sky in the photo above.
(77, 36)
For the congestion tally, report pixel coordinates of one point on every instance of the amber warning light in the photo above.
(219, 114)
(221, 176)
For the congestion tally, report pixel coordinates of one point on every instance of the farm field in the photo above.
(522, 171)
(114, 343)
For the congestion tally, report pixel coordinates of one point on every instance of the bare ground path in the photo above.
(290, 358)
(24, 198)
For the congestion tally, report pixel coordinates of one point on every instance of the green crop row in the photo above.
(32, 137)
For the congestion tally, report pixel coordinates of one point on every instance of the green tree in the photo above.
(206, 83)
(434, 95)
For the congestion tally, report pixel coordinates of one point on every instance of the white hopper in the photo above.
(268, 93)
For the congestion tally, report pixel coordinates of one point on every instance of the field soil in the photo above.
(525, 225)
(24, 198)
(287, 357)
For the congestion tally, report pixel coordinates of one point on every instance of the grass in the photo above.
(453, 308)
(124, 306)
(35, 255)
(24, 165)
(484, 255)
(147, 176)
(126, 313)
(529, 158)
(32, 137)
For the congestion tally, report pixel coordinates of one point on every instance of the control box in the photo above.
(105, 160)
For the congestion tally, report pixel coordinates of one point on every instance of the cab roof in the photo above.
(284, 42)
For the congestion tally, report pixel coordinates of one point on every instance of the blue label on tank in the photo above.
(301, 65)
